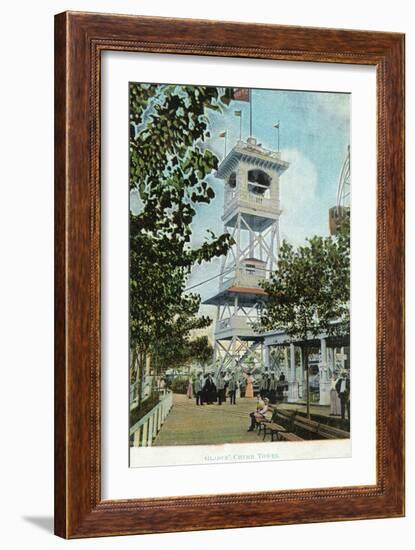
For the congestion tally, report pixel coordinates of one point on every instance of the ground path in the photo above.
(189, 424)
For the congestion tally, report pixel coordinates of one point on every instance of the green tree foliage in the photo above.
(169, 166)
(183, 352)
(201, 350)
(310, 292)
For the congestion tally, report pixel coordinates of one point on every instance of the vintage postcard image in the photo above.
(239, 269)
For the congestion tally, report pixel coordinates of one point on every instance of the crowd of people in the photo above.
(207, 389)
(271, 387)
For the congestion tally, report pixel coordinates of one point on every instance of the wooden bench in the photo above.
(295, 421)
(261, 422)
(286, 418)
(279, 431)
(273, 429)
(320, 428)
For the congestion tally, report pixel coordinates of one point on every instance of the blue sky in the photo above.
(314, 135)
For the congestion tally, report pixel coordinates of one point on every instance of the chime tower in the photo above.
(251, 214)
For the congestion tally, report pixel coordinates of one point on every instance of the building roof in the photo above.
(246, 296)
(254, 154)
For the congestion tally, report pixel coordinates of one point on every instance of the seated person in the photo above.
(259, 402)
(258, 415)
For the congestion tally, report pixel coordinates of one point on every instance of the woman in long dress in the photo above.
(249, 392)
(190, 389)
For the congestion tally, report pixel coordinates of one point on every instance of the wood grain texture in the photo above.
(79, 40)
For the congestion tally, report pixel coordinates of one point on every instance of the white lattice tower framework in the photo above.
(251, 216)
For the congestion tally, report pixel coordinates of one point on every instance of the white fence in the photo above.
(146, 429)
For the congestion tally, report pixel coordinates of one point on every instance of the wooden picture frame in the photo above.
(79, 40)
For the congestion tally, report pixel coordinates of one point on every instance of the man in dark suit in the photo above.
(343, 391)
(220, 387)
(206, 390)
(232, 386)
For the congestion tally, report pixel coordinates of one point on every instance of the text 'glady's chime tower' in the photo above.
(251, 216)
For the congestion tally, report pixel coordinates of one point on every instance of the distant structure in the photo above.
(251, 216)
(342, 208)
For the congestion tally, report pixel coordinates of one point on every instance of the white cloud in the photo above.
(302, 215)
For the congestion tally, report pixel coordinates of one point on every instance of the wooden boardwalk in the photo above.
(188, 424)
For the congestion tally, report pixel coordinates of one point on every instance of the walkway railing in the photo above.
(146, 429)
(133, 395)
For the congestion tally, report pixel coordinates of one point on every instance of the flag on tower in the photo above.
(222, 134)
(237, 113)
(241, 94)
(277, 125)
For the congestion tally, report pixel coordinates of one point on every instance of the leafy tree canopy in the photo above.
(169, 166)
(310, 291)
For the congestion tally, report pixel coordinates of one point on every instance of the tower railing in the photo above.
(244, 277)
(237, 199)
(240, 324)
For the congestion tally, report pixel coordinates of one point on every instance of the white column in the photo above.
(286, 368)
(333, 359)
(266, 356)
(292, 381)
(301, 376)
(331, 363)
(325, 384)
(251, 243)
(261, 247)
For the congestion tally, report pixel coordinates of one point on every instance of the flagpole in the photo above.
(224, 135)
(278, 130)
(277, 127)
(239, 114)
(250, 112)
